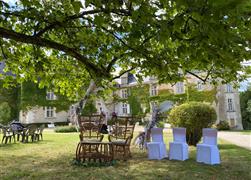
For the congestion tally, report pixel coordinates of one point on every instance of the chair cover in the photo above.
(208, 151)
(156, 148)
(178, 150)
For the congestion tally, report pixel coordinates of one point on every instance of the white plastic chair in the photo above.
(156, 148)
(178, 149)
(208, 151)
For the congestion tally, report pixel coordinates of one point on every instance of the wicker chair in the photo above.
(122, 134)
(90, 138)
(89, 127)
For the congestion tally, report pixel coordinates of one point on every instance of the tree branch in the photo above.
(19, 37)
(69, 18)
(113, 61)
(123, 73)
(197, 76)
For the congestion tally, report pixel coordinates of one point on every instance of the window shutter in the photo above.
(128, 108)
(54, 112)
(45, 111)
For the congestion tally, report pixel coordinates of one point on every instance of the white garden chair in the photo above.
(178, 149)
(156, 148)
(208, 151)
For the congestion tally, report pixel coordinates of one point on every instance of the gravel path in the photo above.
(242, 140)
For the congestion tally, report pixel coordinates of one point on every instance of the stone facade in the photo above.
(39, 115)
(228, 106)
(227, 103)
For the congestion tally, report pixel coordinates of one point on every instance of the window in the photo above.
(199, 85)
(179, 88)
(153, 91)
(50, 112)
(152, 78)
(124, 93)
(72, 110)
(229, 88)
(230, 104)
(50, 95)
(125, 108)
(124, 80)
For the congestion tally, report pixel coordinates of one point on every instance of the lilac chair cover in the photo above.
(208, 151)
(178, 149)
(156, 148)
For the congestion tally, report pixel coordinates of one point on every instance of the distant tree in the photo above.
(245, 103)
(5, 113)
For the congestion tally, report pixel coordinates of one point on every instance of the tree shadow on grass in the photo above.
(52, 159)
(58, 165)
(226, 146)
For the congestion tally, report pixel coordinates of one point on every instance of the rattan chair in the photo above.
(89, 127)
(121, 137)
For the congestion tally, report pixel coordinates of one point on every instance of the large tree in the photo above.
(245, 99)
(64, 44)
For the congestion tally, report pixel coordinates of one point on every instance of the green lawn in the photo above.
(248, 132)
(51, 159)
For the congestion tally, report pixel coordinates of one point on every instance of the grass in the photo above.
(247, 132)
(51, 159)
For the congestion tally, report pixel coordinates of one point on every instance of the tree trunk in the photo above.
(79, 106)
(150, 125)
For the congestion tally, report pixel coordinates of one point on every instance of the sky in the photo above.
(244, 85)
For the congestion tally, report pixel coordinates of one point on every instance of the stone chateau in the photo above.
(226, 101)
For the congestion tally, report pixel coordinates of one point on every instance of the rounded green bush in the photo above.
(65, 129)
(194, 116)
(223, 125)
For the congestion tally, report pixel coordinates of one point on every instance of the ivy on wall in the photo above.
(31, 95)
(139, 95)
(11, 96)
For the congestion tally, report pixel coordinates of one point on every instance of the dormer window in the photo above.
(229, 88)
(50, 95)
(124, 80)
(153, 90)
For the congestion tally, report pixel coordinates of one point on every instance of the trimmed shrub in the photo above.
(5, 113)
(89, 108)
(194, 116)
(223, 125)
(65, 129)
(161, 124)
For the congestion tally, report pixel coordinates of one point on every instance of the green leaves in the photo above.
(77, 5)
(75, 42)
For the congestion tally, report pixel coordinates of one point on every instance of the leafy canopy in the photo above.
(63, 44)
